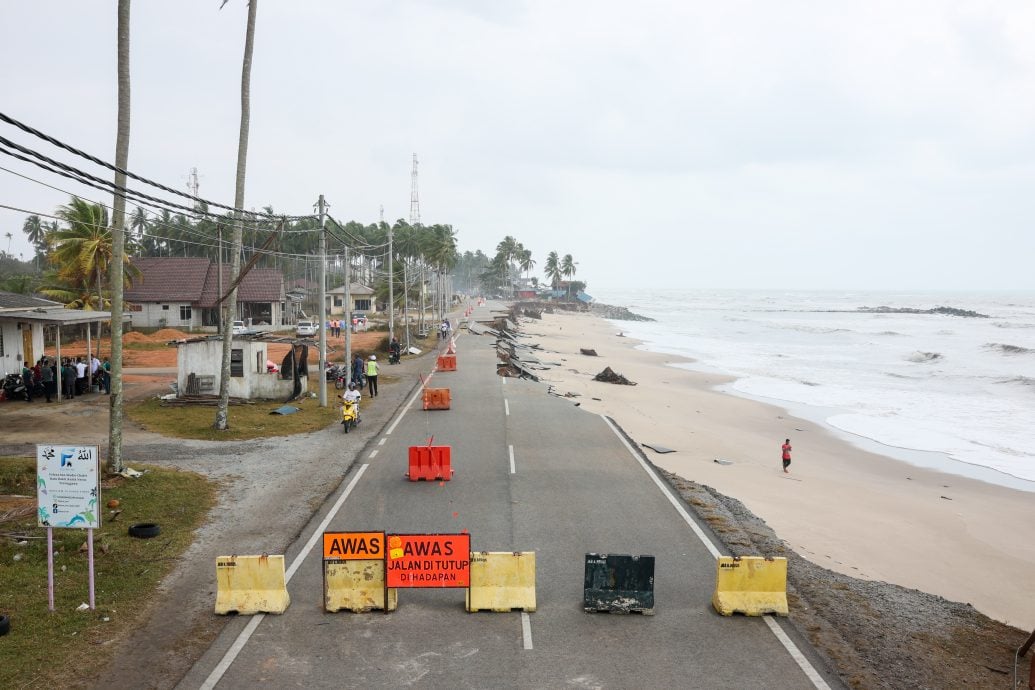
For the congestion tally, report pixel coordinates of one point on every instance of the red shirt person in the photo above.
(786, 448)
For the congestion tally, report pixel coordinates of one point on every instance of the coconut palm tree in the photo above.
(118, 235)
(9, 237)
(33, 229)
(553, 269)
(230, 304)
(525, 261)
(568, 269)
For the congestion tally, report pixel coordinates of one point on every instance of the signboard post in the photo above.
(429, 560)
(68, 493)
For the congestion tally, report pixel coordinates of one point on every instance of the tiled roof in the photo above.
(12, 300)
(195, 280)
(259, 285)
(168, 279)
(354, 289)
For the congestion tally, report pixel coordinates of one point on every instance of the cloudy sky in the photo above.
(874, 145)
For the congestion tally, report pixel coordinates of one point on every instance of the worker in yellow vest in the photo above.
(372, 375)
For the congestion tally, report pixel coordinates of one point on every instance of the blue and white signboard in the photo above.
(68, 486)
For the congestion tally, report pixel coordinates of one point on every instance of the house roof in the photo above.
(258, 285)
(168, 279)
(354, 289)
(59, 315)
(12, 300)
(196, 280)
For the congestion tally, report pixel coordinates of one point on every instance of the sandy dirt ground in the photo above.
(849, 510)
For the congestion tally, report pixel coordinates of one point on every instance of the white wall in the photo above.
(151, 314)
(205, 359)
(11, 361)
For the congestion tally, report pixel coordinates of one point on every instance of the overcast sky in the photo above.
(730, 144)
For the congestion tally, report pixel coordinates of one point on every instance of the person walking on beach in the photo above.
(786, 448)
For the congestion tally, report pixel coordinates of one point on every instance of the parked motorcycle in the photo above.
(14, 387)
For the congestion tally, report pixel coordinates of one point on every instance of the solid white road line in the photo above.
(668, 494)
(796, 654)
(510, 450)
(810, 672)
(242, 638)
(506, 407)
(526, 630)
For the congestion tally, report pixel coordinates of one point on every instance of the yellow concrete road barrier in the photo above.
(751, 585)
(502, 581)
(358, 586)
(251, 584)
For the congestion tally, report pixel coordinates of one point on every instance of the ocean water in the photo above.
(962, 388)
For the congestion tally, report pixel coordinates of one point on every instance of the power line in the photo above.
(93, 159)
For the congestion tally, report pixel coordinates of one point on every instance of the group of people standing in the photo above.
(45, 377)
(334, 326)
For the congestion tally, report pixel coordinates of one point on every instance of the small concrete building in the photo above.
(198, 364)
(22, 320)
(361, 296)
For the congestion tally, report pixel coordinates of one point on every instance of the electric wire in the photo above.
(93, 159)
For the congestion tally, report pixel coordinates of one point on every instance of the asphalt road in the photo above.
(574, 486)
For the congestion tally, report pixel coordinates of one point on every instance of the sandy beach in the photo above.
(853, 511)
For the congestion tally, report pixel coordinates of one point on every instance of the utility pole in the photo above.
(348, 320)
(322, 311)
(415, 224)
(391, 282)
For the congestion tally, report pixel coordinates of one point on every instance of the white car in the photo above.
(238, 328)
(306, 328)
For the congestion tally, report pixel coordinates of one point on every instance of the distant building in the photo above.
(361, 296)
(182, 292)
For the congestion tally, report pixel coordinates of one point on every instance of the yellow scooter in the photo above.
(349, 414)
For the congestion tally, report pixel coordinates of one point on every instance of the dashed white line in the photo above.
(242, 638)
(406, 407)
(506, 407)
(807, 668)
(382, 441)
(526, 630)
(510, 449)
(373, 454)
(503, 380)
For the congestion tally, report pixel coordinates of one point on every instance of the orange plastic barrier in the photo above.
(451, 350)
(436, 398)
(446, 362)
(430, 463)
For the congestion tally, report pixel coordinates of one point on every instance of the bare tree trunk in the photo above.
(118, 229)
(230, 304)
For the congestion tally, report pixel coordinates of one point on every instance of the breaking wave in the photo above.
(921, 357)
(1009, 349)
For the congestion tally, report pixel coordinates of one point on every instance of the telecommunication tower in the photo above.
(414, 198)
(193, 186)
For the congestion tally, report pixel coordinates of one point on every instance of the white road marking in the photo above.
(406, 407)
(382, 441)
(242, 638)
(526, 630)
(503, 380)
(373, 454)
(510, 449)
(810, 672)
(796, 654)
(506, 407)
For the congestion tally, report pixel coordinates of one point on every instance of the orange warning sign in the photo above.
(429, 560)
(343, 546)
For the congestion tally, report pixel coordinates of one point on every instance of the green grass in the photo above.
(246, 421)
(46, 649)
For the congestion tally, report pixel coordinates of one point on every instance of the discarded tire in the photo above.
(144, 530)
(5, 625)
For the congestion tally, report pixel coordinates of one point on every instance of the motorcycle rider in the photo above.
(394, 348)
(352, 395)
